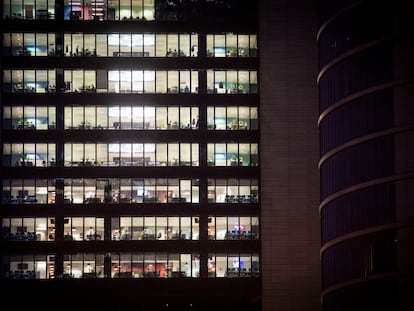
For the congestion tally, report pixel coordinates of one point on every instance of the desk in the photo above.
(178, 200)
(150, 200)
(92, 200)
(25, 127)
(89, 275)
(130, 163)
(131, 125)
(126, 275)
(148, 236)
(26, 89)
(178, 274)
(24, 200)
(87, 90)
(93, 237)
(26, 163)
(151, 274)
(109, 163)
(130, 54)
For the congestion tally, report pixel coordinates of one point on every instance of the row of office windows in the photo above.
(123, 10)
(130, 265)
(129, 45)
(154, 228)
(130, 228)
(130, 81)
(24, 154)
(184, 228)
(80, 10)
(173, 154)
(29, 9)
(109, 10)
(129, 190)
(161, 154)
(130, 118)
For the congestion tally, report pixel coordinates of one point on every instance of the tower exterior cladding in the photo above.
(289, 144)
(366, 122)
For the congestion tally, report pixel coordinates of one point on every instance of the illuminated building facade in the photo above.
(130, 142)
(160, 155)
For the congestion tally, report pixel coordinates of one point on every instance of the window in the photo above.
(155, 265)
(233, 228)
(231, 45)
(28, 229)
(29, 191)
(233, 190)
(231, 154)
(231, 82)
(114, 190)
(83, 228)
(233, 265)
(154, 228)
(29, 155)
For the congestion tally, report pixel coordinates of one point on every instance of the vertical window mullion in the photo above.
(107, 124)
(179, 154)
(35, 42)
(237, 45)
(225, 44)
(179, 81)
(214, 44)
(84, 117)
(191, 158)
(178, 43)
(214, 153)
(130, 42)
(179, 226)
(248, 86)
(155, 86)
(83, 227)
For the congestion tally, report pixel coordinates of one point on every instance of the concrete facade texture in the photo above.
(290, 222)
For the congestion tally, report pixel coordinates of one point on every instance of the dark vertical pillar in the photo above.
(59, 188)
(59, 9)
(59, 44)
(107, 228)
(203, 263)
(59, 227)
(60, 83)
(202, 44)
(108, 193)
(58, 265)
(203, 225)
(107, 265)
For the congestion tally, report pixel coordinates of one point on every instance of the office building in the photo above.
(130, 169)
(160, 155)
(366, 165)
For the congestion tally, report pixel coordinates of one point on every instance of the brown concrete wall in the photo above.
(290, 221)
